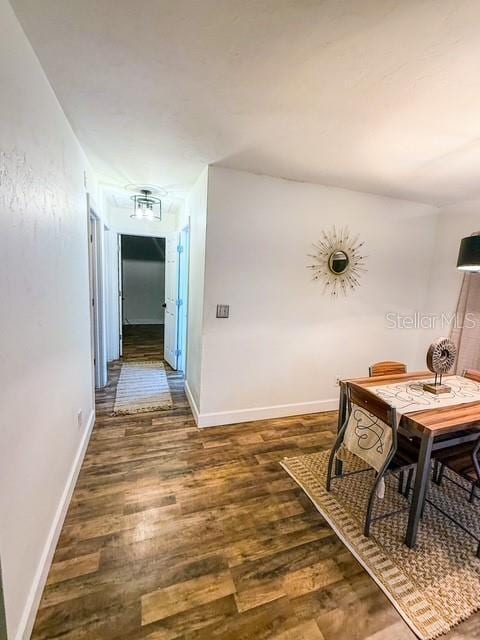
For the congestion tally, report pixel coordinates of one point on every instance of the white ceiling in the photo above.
(119, 198)
(375, 95)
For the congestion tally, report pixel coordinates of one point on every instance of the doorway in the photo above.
(153, 293)
(142, 276)
(176, 299)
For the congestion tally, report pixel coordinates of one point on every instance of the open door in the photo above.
(183, 264)
(170, 352)
(91, 288)
(94, 298)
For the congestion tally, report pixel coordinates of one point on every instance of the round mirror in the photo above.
(338, 262)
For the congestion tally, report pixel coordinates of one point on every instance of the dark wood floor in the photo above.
(179, 532)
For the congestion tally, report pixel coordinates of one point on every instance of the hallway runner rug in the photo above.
(142, 386)
(434, 586)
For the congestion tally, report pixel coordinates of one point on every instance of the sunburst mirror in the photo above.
(339, 261)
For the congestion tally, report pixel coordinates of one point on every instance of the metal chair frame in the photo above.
(439, 474)
(369, 401)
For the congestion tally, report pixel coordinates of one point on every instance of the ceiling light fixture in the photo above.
(146, 206)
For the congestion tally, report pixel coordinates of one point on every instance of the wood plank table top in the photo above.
(438, 421)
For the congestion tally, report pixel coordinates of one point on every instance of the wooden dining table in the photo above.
(435, 429)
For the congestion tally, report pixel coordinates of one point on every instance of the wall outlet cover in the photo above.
(223, 310)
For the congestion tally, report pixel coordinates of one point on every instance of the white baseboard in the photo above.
(33, 601)
(261, 413)
(191, 402)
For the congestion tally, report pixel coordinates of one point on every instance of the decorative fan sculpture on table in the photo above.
(339, 261)
(440, 360)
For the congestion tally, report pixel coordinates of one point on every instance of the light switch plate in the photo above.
(223, 310)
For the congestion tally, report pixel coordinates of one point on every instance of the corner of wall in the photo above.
(196, 213)
(191, 402)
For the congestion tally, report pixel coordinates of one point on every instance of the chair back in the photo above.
(387, 368)
(371, 430)
(472, 374)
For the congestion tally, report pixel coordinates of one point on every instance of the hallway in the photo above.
(179, 532)
(143, 342)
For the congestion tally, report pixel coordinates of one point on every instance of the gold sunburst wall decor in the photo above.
(339, 261)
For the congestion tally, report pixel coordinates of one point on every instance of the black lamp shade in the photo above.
(469, 254)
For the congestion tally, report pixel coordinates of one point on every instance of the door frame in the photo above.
(120, 294)
(119, 283)
(3, 618)
(119, 278)
(97, 295)
(172, 301)
(183, 286)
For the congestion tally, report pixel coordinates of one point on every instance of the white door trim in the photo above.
(183, 284)
(97, 294)
(170, 352)
(120, 294)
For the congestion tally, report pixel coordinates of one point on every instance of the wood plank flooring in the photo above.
(176, 532)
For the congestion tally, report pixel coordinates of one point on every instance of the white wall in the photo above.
(196, 212)
(45, 354)
(120, 221)
(143, 291)
(454, 223)
(285, 342)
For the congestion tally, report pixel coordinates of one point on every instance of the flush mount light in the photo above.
(146, 206)
(469, 254)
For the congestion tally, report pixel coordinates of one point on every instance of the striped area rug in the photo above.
(434, 586)
(142, 386)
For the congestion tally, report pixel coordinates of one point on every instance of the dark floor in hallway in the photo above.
(142, 342)
(178, 532)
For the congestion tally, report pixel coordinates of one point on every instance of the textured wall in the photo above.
(45, 352)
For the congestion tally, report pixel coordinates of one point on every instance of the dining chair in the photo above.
(464, 461)
(387, 368)
(370, 433)
(473, 374)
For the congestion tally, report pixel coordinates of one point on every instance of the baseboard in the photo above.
(262, 413)
(33, 601)
(191, 402)
(145, 321)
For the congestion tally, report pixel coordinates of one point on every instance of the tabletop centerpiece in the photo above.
(440, 359)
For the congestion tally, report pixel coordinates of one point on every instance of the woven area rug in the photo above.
(434, 586)
(142, 386)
